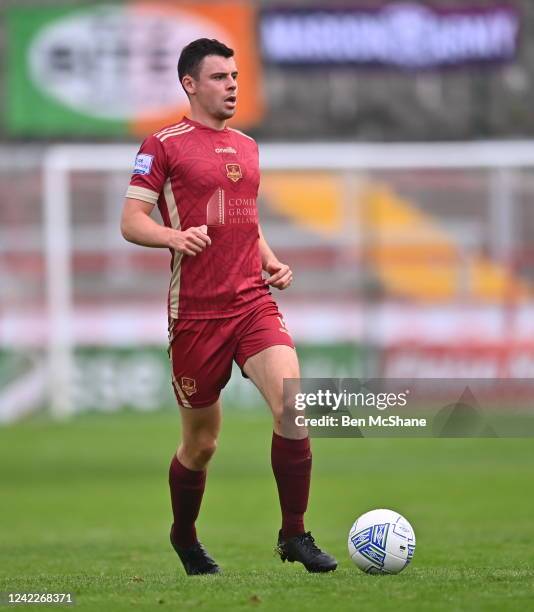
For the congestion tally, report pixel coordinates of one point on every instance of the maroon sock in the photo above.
(187, 488)
(292, 461)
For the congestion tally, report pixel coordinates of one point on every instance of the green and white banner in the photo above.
(110, 69)
(110, 379)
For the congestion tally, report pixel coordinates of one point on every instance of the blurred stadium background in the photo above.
(398, 183)
(397, 145)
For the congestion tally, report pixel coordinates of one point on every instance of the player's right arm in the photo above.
(150, 172)
(138, 227)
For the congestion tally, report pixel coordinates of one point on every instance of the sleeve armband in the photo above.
(143, 194)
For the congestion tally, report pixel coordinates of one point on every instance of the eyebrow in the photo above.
(214, 74)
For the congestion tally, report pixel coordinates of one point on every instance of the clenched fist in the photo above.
(191, 241)
(281, 275)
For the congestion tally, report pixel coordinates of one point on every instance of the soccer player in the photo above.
(204, 178)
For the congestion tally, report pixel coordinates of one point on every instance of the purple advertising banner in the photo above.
(402, 35)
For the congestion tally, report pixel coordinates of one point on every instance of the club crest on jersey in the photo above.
(233, 172)
(189, 386)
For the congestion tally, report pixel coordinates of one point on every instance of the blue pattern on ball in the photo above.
(371, 543)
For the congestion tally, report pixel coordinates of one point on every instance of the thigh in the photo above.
(201, 424)
(201, 361)
(267, 370)
(260, 329)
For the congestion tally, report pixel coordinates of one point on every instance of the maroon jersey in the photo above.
(201, 176)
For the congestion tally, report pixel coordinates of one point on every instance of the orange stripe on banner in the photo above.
(234, 23)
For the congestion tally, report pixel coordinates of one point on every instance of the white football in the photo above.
(381, 542)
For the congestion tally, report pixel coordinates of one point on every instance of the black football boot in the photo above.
(302, 548)
(196, 560)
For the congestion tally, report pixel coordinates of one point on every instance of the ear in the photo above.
(189, 84)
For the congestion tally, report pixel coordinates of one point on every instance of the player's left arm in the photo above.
(280, 274)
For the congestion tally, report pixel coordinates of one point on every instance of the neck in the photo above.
(200, 116)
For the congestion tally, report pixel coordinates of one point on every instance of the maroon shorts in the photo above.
(201, 351)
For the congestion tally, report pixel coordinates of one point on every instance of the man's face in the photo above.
(215, 90)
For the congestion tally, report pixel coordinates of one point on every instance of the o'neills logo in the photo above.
(233, 172)
(225, 150)
(189, 385)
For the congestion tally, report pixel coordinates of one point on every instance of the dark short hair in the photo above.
(193, 54)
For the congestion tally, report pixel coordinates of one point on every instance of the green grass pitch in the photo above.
(85, 508)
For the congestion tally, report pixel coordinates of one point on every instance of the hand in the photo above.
(281, 275)
(190, 242)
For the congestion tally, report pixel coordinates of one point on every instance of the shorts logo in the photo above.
(233, 172)
(282, 327)
(143, 163)
(189, 386)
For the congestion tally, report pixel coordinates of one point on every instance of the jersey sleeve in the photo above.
(149, 173)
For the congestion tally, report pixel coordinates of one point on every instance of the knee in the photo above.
(200, 451)
(287, 406)
(206, 450)
(284, 411)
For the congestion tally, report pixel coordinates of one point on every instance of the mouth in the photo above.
(231, 99)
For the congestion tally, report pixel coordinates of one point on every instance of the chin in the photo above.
(226, 114)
